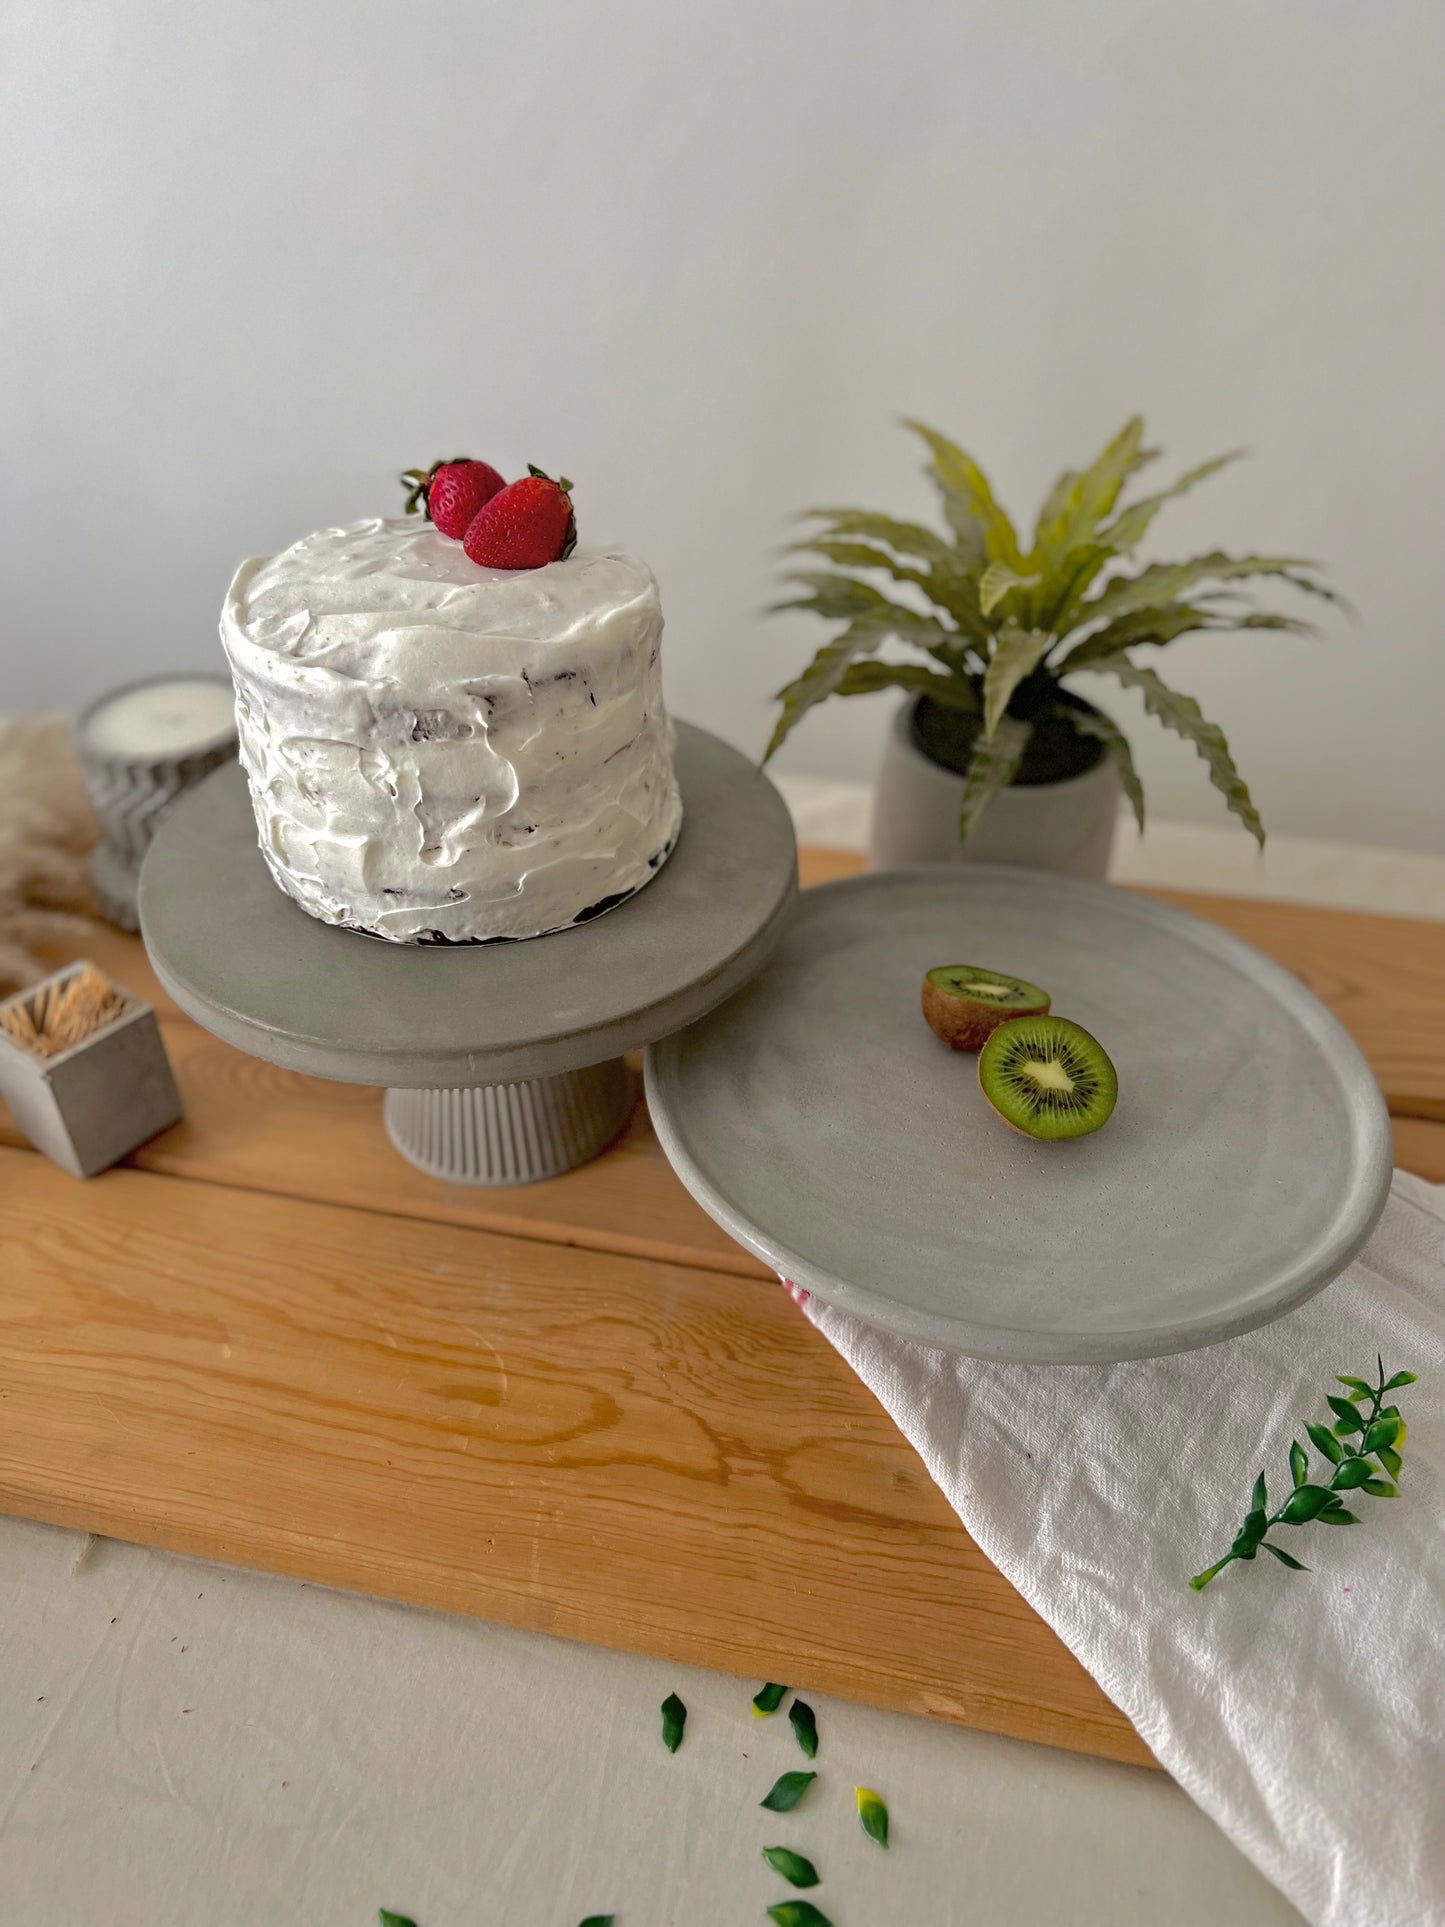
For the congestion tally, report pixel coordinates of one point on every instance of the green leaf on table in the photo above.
(768, 1698)
(1355, 1384)
(1347, 1414)
(1259, 1498)
(674, 1719)
(1338, 1516)
(798, 1913)
(388, 1919)
(1305, 1502)
(1401, 1378)
(1284, 1558)
(1380, 1489)
(1353, 1472)
(1299, 1463)
(1325, 1441)
(786, 1791)
(792, 1866)
(872, 1814)
(1391, 1460)
(805, 1727)
(1385, 1431)
(599, 1920)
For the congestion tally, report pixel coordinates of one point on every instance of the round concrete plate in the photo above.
(819, 1120)
(246, 962)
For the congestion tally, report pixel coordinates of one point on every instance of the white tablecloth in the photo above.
(182, 1746)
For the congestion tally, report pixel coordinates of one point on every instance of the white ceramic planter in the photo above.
(1067, 826)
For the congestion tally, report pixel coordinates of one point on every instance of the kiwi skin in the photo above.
(967, 1023)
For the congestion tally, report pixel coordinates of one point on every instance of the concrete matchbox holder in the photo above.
(88, 1105)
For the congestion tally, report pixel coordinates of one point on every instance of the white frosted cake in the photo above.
(439, 752)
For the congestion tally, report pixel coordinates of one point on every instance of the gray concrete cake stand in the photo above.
(502, 1063)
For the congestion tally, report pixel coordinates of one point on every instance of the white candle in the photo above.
(174, 717)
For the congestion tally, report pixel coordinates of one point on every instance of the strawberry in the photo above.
(452, 492)
(526, 526)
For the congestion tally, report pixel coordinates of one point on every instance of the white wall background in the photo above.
(701, 254)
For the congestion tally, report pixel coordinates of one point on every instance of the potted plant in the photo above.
(998, 634)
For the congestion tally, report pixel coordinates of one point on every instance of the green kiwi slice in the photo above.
(963, 1003)
(1048, 1078)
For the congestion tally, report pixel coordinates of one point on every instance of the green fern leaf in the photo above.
(1053, 505)
(945, 584)
(1068, 548)
(837, 598)
(1163, 581)
(867, 678)
(1184, 716)
(842, 598)
(982, 528)
(991, 768)
(1165, 624)
(907, 538)
(999, 580)
(1159, 625)
(1064, 590)
(1091, 496)
(1130, 526)
(1019, 653)
(860, 555)
(954, 587)
(824, 673)
(1106, 731)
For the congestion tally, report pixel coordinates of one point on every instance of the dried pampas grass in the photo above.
(47, 830)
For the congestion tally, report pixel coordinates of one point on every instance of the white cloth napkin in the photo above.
(1305, 1712)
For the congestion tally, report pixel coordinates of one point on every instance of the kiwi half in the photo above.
(964, 1004)
(1048, 1078)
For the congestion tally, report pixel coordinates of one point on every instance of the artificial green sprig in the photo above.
(1349, 1446)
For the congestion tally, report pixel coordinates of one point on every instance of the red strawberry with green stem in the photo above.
(526, 526)
(452, 493)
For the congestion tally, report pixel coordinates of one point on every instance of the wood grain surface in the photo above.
(576, 1406)
(638, 1455)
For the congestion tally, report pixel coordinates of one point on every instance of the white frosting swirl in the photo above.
(437, 750)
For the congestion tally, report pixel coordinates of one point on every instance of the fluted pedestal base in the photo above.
(512, 1133)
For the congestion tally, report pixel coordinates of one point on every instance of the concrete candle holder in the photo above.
(87, 1106)
(140, 747)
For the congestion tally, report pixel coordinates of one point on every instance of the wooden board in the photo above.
(577, 1407)
(638, 1455)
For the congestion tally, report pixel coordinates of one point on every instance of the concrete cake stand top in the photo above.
(242, 959)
